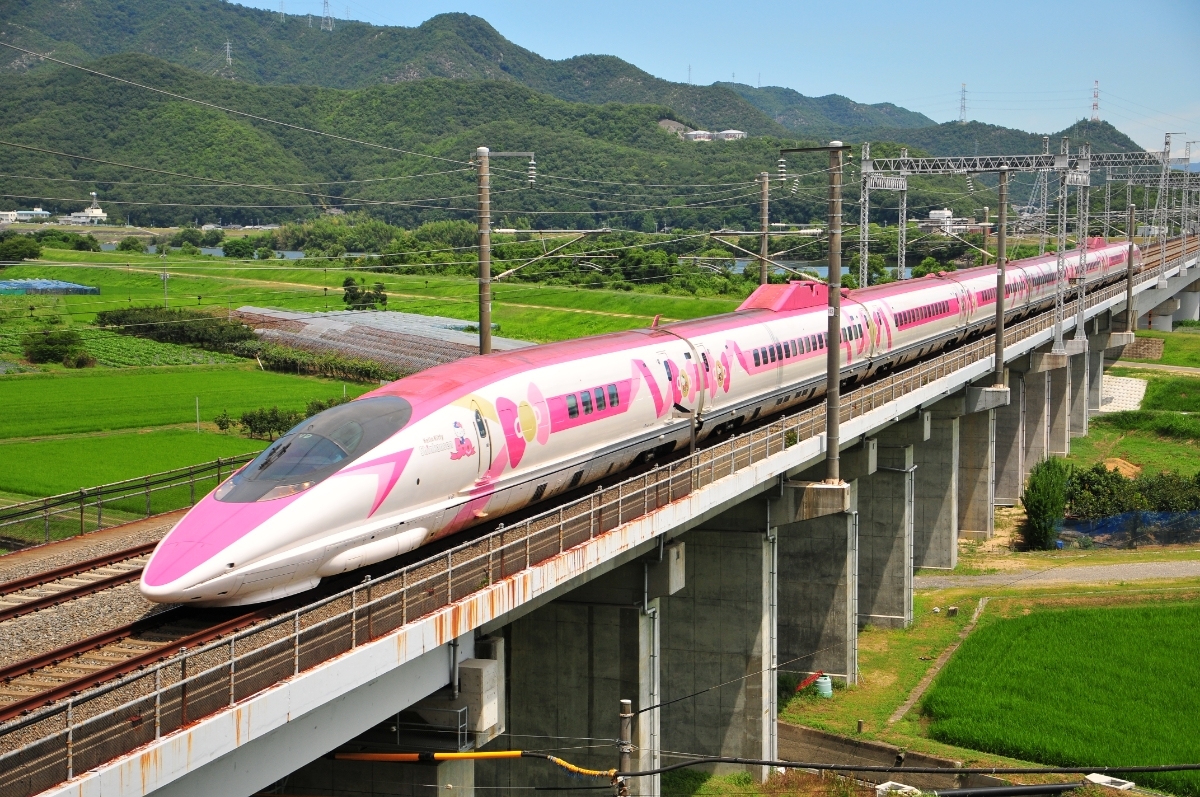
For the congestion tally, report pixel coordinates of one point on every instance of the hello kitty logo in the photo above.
(463, 447)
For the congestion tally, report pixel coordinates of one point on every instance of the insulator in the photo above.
(532, 172)
(795, 185)
(782, 169)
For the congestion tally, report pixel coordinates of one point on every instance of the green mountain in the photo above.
(272, 49)
(952, 138)
(832, 113)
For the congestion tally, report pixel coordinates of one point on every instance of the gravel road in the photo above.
(1095, 574)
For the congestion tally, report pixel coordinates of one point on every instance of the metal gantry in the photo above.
(872, 181)
(1073, 170)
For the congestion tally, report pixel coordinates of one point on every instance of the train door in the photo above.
(483, 439)
(710, 378)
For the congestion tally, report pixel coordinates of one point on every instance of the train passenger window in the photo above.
(599, 398)
(779, 350)
(757, 358)
(787, 348)
(614, 398)
(572, 406)
(480, 425)
(771, 351)
(820, 340)
(704, 359)
(586, 397)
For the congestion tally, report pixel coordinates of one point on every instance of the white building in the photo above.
(89, 215)
(729, 135)
(37, 214)
(8, 216)
(699, 135)
(944, 222)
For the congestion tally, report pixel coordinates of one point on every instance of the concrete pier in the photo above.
(1010, 442)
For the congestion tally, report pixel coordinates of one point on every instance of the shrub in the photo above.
(317, 405)
(79, 359)
(131, 243)
(1098, 492)
(212, 238)
(51, 345)
(1045, 501)
(223, 421)
(20, 247)
(265, 253)
(358, 297)
(176, 326)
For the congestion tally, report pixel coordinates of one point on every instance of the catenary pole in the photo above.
(1001, 261)
(764, 275)
(485, 251)
(1130, 313)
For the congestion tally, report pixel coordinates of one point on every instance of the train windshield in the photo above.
(315, 449)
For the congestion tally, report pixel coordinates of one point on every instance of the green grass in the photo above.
(94, 400)
(526, 311)
(1166, 391)
(1077, 687)
(1180, 348)
(1146, 449)
(50, 467)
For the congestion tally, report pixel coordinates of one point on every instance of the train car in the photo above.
(450, 447)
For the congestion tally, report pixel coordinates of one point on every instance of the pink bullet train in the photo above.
(440, 451)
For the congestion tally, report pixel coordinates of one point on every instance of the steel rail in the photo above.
(67, 595)
(66, 571)
(136, 662)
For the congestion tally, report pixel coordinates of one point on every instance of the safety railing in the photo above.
(93, 508)
(52, 744)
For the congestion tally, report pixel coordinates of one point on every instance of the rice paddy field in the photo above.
(1078, 686)
(102, 399)
(51, 467)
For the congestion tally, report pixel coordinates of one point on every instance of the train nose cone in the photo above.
(190, 553)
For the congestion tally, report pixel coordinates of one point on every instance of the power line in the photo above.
(214, 106)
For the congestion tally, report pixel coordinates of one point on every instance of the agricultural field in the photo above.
(524, 311)
(1162, 436)
(1078, 686)
(51, 467)
(95, 400)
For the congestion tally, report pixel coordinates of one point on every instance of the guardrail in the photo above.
(65, 515)
(52, 744)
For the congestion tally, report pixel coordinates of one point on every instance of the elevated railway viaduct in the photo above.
(685, 589)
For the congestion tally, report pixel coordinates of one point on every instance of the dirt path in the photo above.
(1080, 574)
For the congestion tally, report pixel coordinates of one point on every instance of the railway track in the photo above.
(43, 679)
(62, 584)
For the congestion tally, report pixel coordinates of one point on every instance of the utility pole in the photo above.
(1107, 202)
(764, 275)
(166, 275)
(1061, 270)
(1083, 205)
(483, 158)
(1045, 181)
(485, 250)
(833, 352)
(833, 360)
(1001, 261)
(987, 222)
(1130, 314)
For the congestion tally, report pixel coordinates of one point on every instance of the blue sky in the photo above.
(1028, 65)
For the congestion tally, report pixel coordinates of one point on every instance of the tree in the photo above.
(932, 265)
(51, 345)
(212, 238)
(240, 248)
(131, 243)
(265, 253)
(876, 271)
(1045, 502)
(357, 296)
(19, 247)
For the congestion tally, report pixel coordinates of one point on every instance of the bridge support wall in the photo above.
(978, 462)
(885, 536)
(1058, 410)
(1037, 405)
(1078, 394)
(818, 594)
(1010, 442)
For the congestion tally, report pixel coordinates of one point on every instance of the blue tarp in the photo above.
(1142, 527)
(34, 286)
